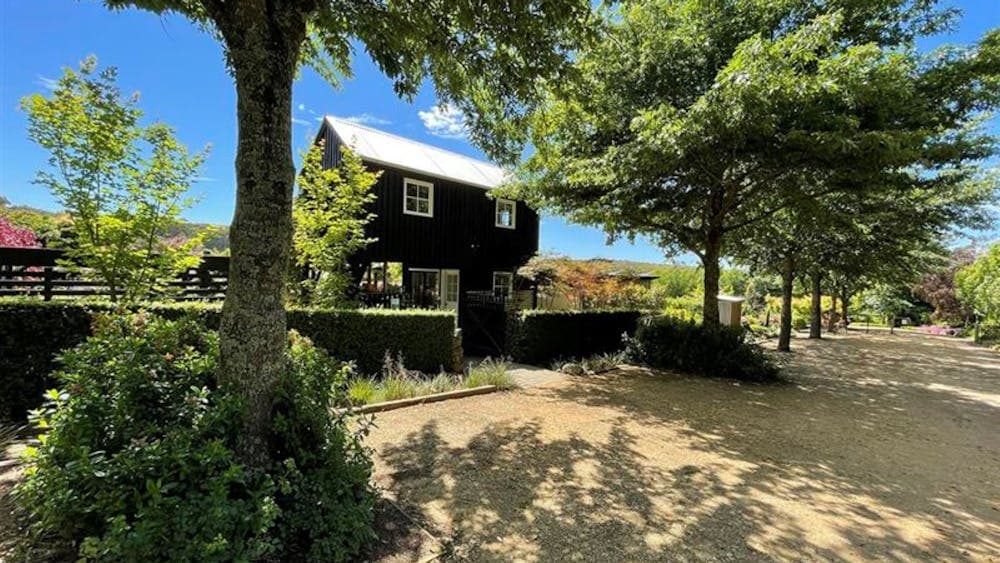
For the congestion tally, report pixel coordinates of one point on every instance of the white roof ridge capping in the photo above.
(389, 149)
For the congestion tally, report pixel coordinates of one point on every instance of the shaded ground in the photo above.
(884, 447)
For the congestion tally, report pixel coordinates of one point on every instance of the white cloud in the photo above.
(204, 179)
(302, 107)
(46, 82)
(367, 119)
(444, 120)
(298, 121)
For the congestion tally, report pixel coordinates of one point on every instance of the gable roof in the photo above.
(387, 149)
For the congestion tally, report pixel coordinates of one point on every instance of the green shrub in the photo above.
(138, 461)
(361, 391)
(538, 337)
(676, 344)
(323, 471)
(34, 332)
(490, 372)
(30, 338)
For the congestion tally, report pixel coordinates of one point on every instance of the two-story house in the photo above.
(438, 233)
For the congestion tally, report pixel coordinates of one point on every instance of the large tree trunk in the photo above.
(816, 309)
(252, 335)
(710, 261)
(787, 283)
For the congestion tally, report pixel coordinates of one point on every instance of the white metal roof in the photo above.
(384, 148)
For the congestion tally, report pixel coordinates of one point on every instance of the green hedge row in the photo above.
(676, 344)
(32, 333)
(538, 336)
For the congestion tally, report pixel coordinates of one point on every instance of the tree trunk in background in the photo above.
(816, 309)
(787, 283)
(252, 334)
(710, 261)
(831, 324)
(845, 302)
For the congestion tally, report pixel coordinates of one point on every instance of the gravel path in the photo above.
(881, 447)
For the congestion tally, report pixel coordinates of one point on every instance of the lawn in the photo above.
(880, 447)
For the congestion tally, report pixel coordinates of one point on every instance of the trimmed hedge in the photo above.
(538, 336)
(675, 344)
(32, 333)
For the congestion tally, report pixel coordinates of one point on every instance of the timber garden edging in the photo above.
(412, 401)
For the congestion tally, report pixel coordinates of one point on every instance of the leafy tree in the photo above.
(979, 285)
(49, 227)
(693, 121)
(586, 284)
(937, 287)
(488, 59)
(123, 183)
(888, 301)
(329, 217)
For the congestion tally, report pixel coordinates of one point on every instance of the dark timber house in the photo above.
(440, 239)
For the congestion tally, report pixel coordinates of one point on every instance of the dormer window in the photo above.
(418, 198)
(506, 216)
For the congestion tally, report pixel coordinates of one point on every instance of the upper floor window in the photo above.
(506, 214)
(418, 198)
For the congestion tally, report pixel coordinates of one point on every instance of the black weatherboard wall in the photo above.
(461, 235)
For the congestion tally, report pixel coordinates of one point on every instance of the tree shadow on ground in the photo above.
(852, 460)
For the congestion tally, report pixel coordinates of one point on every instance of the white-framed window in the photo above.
(418, 197)
(506, 216)
(503, 283)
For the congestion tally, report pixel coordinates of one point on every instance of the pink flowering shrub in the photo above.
(16, 236)
(939, 330)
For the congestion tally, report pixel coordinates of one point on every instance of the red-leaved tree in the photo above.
(11, 235)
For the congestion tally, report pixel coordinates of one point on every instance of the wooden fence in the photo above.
(40, 272)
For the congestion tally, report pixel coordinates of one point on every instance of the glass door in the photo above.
(426, 287)
(449, 289)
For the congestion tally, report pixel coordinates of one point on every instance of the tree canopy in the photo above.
(691, 122)
(124, 183)
(330, 214)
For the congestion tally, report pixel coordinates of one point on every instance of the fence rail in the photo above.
(41, 272)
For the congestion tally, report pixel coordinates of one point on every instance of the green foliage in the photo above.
(323, 471)
(361, 390)
(31, 335)
(694, 122)
(537, 337)
(49, 227)
(688, 307)
(138, 456)
(490, 372)
(721, 351)
(35, 332)
(329, 218)
(123, 183)
(136, 461)
(979, 285)
(888, 301)
(397, 382)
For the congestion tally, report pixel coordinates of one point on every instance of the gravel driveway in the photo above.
(884, 447)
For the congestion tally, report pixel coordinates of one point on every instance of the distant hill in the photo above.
(47, 224)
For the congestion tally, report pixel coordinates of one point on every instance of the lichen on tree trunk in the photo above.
(252, 333)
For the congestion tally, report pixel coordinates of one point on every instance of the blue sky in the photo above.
(180, 73)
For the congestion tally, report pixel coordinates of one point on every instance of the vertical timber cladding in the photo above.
(461, 235)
